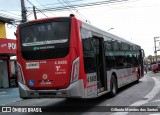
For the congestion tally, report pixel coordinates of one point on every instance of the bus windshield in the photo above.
(45, 33)
(45, 40)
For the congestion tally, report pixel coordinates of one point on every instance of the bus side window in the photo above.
(112, 48)
(88, 51)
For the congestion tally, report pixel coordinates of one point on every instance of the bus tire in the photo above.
(113, 86)
(24, 98)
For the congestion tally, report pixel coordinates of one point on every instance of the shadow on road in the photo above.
(80, 106)
(77, 105)
(128, 86)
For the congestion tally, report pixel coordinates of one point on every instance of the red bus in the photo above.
(65, 57)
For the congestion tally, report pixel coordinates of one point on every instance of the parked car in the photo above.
(156, 67)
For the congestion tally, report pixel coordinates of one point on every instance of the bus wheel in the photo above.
(113, 86)
(24, 98)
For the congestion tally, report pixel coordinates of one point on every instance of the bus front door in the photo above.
(142, 55)
(100, 64)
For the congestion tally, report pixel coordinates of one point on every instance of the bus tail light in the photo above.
(19, 73)
(75, 70)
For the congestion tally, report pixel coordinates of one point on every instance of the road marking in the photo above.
(153, 74)
(148, 97)
(2, 92)
(14, 101)
(41, 100)
(5, 95)
(155, 114)
(156, 101)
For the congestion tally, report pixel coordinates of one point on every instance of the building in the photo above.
(152, 59)
(7, 49)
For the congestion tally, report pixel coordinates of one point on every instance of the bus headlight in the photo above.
(75, 70)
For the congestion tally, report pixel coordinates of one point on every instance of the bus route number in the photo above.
(63, 62)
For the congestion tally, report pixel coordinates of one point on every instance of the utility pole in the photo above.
(155, 47)
(34, 11)
(24, 12)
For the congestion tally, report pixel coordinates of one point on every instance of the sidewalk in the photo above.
(9, 95)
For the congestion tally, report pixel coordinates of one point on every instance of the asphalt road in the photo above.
(9, 95)
(146, 94)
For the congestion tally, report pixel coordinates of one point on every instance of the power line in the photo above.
(75, 10)
(44, 6)
(57, 3)
(108, 4)
(66, 7)
(87, 3)
(10, 12)
(69, 7)
(84, 5)
(16, 16)
(37, 9)
(9, 16)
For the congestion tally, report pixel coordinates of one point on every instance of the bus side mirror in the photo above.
(15, 34)
(143, 54)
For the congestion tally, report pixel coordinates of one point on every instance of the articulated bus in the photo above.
(65, 57)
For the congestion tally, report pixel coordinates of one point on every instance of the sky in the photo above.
(137, 21)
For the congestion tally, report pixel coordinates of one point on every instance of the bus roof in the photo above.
(90, 27)
(104, 33)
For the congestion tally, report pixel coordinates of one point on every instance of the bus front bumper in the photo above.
(75, 90)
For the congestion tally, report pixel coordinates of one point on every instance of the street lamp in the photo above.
(156, 47)
(110, 29)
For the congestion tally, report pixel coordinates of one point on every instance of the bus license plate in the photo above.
(45, 83)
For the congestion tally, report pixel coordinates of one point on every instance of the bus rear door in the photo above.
(100, 64)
